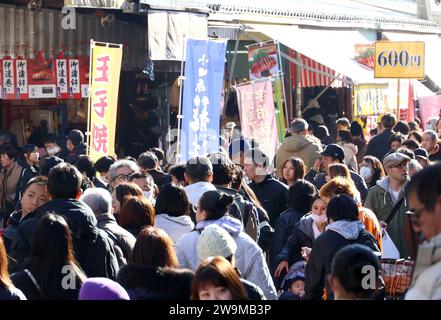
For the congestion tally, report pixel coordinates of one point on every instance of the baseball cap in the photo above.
(394, 159)
(335, 151)
(422, 153)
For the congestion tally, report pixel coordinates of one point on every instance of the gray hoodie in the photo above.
(175, 227)
(347, 229)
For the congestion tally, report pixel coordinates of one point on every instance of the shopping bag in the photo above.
(390, 251)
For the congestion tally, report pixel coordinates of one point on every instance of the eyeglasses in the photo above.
(123, 177)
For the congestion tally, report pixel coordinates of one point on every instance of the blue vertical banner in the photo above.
(203, 79)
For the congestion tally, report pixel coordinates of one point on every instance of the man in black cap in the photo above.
(334, 154)
(75, 144)
(422, 156)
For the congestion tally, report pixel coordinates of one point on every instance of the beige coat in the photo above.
(9, 179)
(299, 146)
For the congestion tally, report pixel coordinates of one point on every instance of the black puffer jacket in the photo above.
(93, 249)
(285, 225)
(302, 235)
(272, 194)
(150, 283)
(323, 251)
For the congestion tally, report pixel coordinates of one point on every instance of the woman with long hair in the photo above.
(7, 289)
(216, 279)
(51, 271)
(293, 170)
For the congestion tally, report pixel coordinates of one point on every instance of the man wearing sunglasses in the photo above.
(424, 195)
(388, 193)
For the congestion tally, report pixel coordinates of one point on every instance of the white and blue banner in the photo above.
(204, 73)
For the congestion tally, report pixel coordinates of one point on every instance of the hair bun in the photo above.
(225, 200)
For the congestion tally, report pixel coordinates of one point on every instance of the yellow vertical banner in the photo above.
(105, 69)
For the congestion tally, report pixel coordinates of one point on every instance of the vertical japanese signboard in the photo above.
(103, 101)
(62, 84)
(8, 79)
(74, 79)
(204, 72)
(257, 115)
(22, 79)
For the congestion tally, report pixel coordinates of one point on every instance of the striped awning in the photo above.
(310, 77)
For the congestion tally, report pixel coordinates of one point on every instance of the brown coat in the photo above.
(303, 147)
(9, 179)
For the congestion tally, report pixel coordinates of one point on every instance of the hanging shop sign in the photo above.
(370, 99)
(399, 59)
(8, 73)
(42, 78)
(204, 72)
(62, 83)
(103, 101)
(257, 115)
(263, 61)
(74, 79)
(22, 79)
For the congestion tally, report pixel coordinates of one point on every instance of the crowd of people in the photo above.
(231, 225)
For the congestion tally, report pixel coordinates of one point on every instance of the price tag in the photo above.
(399, 60)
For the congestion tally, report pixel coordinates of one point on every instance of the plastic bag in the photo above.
(390, 251)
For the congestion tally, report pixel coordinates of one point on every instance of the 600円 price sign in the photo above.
(399, 59)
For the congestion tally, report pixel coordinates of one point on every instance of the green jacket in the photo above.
(379, 200)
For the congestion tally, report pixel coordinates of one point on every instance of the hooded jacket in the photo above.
(302, 235)
(284, 226)
(249, 257)
(426, 282)
(351, 151)
(380, 201)
(196, 190)
(175, 227)
(337, 235)
(298, 146)
(94, 250)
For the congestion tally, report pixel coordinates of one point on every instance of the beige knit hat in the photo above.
(215, 241)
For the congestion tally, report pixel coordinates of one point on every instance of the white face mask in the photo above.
(148, 194)
(366, 172)
(319, 219)
(52, 151)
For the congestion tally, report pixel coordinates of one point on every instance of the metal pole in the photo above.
(398, 99)
(89, 107)
(233, 66)
(299, 70)
(283, 86)
(181, 85)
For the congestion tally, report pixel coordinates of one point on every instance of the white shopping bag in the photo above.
(389, 250)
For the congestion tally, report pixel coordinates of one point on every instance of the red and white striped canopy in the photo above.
(310, 78)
